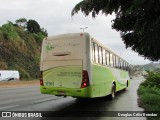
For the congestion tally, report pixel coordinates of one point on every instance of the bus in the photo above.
(78, 65)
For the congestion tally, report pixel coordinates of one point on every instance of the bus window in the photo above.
(111, 60)
(96, 53)
(104, 56)
(125, 66)
(119, 63)
(100, 55)
(93, 51)
(122, 64)
(116, 61)
(107, 58)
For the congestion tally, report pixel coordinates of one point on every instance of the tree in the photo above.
(21, 22)
(33, 26)
(137, 20)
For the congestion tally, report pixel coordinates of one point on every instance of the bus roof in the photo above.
(67, 35)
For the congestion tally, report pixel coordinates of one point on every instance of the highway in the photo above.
(30, 99)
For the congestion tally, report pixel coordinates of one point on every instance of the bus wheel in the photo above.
(113, 92)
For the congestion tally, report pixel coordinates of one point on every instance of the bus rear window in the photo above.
(62, 49)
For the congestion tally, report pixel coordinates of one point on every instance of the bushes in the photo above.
(152, 80)
(149, 93)
(38, 37)
(9, 32)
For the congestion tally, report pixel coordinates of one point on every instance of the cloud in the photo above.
(13, 4)
(55, 16)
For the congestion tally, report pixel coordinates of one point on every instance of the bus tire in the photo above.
(113, 92)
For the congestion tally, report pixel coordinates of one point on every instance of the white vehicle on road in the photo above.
(8, 75)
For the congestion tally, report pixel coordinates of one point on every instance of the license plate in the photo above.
(61, 93)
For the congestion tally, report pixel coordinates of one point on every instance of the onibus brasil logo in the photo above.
(49, 47)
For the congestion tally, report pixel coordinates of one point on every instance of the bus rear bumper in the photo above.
(74, 92)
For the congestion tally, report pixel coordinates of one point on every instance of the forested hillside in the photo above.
(20, 48)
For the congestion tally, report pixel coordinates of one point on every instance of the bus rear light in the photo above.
(85, 80)
(41, 78)
(41, 83)
(84, 84)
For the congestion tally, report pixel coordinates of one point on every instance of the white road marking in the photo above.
(8, 107)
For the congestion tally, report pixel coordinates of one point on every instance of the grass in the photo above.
(149, 97)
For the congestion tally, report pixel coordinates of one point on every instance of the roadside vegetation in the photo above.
(20, 46)
(149, 93)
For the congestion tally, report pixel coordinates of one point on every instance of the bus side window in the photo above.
(122, 64)
(93, 51)
(121, 67)
(125, 66)
(100, 55)
(96, 53)
(111, 59)
(119, 63)
(114, 61)
(107, 58)
(104, 56)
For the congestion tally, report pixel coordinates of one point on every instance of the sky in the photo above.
(55, 17)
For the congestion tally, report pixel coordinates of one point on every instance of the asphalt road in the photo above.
(30, 99)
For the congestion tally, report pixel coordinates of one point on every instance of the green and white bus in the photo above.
(78, 65)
